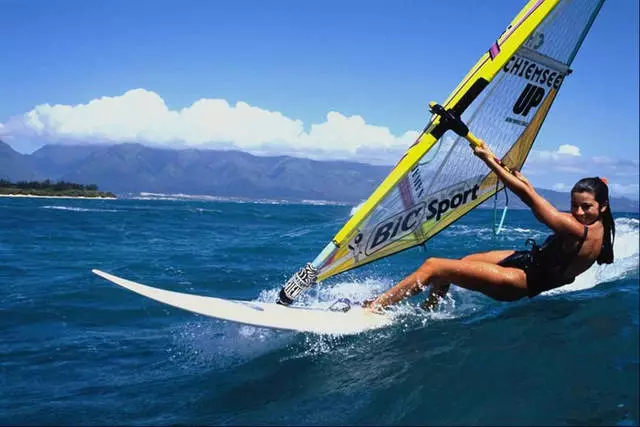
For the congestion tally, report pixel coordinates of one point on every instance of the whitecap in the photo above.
(77, 209)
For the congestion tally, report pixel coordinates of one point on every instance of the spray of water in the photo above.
(626, 250)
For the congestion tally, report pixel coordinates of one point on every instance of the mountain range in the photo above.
(133, 168)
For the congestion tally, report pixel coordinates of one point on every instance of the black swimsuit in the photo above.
(546, 265)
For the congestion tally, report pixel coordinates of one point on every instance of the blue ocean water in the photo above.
(75, 349)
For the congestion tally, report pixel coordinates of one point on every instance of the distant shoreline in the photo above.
(58, 197)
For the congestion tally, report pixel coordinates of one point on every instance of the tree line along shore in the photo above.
(48, 188)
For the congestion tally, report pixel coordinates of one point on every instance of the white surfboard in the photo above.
(262, 314)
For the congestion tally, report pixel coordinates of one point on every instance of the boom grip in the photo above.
(473, 139)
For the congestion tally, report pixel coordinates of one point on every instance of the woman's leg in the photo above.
(492, 257)
(439, 288)
(501, 283)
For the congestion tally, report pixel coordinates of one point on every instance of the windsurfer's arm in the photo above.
(544, 211)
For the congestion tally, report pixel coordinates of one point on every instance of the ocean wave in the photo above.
(460, 302)
(241, 200)
(77, 209)
(297, 232)
(203, 210)
(628, 224)
(406, 315)
(205, 344)
(519, 230)
(322, 203)
(175, 199)
(463, 230)
(185, 197)
(626, 251)
(480, 233)
(355, 209)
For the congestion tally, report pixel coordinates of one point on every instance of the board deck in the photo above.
(267, 315)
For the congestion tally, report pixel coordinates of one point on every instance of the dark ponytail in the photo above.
(600, 190)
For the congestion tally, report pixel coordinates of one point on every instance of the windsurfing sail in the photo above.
(504, 99)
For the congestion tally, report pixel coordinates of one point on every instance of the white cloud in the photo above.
(566, 164)
(627, 190)
(604, 160)
(564, 152)
(571, 169)
(616, 190)
(571, 150)
(567, 159)
(142, 116)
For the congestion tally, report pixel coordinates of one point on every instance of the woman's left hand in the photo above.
(483, 151)
(521, 177)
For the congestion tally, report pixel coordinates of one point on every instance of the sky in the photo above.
(326, 80)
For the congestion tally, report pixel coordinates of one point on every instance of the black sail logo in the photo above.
(404, 223)
(530, 98)
(539, 78)
(395, 228)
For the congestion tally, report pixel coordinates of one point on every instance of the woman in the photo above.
(581, 238)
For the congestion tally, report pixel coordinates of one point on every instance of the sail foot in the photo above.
(302, 280)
